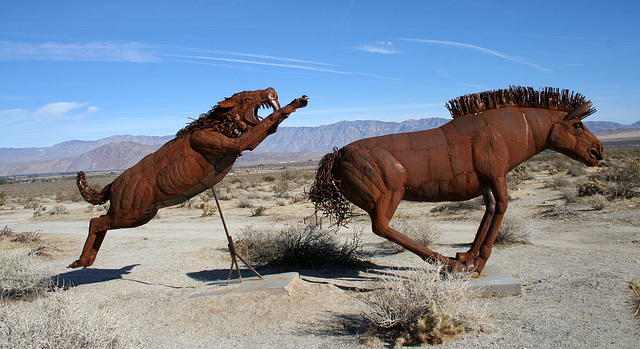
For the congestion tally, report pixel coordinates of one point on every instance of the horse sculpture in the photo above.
(491, 133)
(198, 157)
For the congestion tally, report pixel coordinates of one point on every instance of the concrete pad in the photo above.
(494, 281)
(276, 284)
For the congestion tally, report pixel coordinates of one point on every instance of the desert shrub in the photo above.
(576, 169)
(281, 189)
(518, 175)
(569, 194)
(556, 211)
(512, 231)
(258, 211)
(557, 183)
(208, 209)
(27, 236)
(297, 198)
(6, 231)
(3, 198)
(417, 306)
(236, 180)
(256, 196)
(59, 209)
(288, 176)
(21, 276)
(624, 180)
(423, 232)
(451, 207)
(598, 202)
(298, 246)
(64, 196)
(224, 196)
(243, 203)
(188, 204)
(39, 210)
(61, 321)
(269, 179)
(634, 286)
(591, 187)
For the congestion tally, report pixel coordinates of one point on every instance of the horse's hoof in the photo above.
(78, 264)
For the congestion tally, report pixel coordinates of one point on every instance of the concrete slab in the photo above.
(494, 281)
(276, 284)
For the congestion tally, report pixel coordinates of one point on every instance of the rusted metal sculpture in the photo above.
(491, 133)
(198, 157)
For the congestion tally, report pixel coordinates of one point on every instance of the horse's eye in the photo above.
(577, 125)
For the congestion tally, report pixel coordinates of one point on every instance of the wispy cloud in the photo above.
(90, 51)
(480, 49)
(203, 59)
(242, 54)
(384, 47)
(52, 112)
(137, 52)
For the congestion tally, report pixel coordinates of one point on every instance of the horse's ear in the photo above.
(227, 103)
(580, 110)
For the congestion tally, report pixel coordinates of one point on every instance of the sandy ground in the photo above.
(574, 275)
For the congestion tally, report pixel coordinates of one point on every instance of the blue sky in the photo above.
(91, 69)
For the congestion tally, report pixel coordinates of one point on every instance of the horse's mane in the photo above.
(218, 119)
(518, 96)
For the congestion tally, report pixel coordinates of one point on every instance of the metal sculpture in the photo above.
(491, 133)
(198, 157)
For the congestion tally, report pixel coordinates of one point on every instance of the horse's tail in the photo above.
(325, 191)
(91, 195)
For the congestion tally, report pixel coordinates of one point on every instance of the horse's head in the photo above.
(244, 106)
(571, 137)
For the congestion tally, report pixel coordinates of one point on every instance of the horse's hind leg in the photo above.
(380, 218)
(97, 230)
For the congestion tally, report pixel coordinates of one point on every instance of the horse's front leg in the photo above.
(482, 252)
(490, 208)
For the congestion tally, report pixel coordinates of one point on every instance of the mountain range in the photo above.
(289, 143)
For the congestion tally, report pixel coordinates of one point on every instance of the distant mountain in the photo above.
(71, 148)
(598, 126)
(322, 139)
(289, 143)
(112, 156)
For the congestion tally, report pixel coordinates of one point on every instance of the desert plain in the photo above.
(575, 265)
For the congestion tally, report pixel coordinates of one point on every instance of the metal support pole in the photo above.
(232, 248)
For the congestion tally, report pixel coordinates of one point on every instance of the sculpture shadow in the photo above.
(90, 276)
(334, 272)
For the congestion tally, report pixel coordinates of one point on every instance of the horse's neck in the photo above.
(530, 135)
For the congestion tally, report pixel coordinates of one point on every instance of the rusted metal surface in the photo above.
(491, 133)
(198, 157)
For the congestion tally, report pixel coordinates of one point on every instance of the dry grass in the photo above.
(417, 306)
(22, 277)
(61, 321)
(6, 231)
(598, 202)
(457, 206)
(27, 237)
(519, 175)
(512, 231)
(423, 232)
(298, 246)
(258, 211)
(634, 286)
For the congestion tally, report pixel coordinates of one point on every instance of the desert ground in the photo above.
(574, 270)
